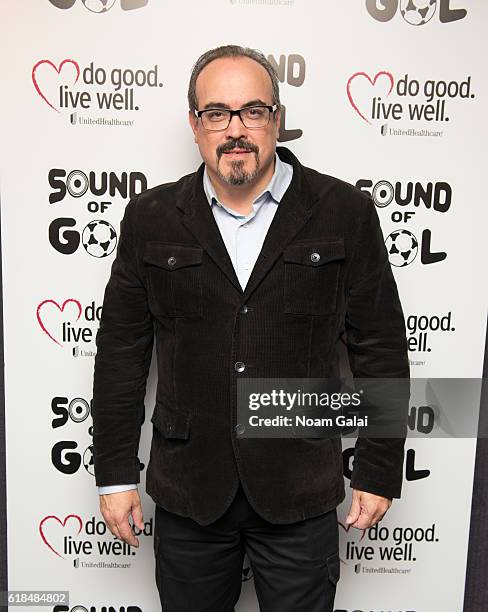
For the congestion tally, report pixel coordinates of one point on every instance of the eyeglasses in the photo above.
(218, 119)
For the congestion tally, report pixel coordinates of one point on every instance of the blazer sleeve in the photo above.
(124, 343)
(377, 347)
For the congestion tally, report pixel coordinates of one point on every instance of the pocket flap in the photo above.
(170, 422)
(315, 253)
(172, 256)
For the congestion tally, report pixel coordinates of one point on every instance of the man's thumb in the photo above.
(354, 511)
(137, 516)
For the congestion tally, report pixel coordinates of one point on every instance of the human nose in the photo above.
(236, 129)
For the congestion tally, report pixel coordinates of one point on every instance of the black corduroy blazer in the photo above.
(172, 282)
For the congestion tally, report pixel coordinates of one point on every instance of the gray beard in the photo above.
(237, 174)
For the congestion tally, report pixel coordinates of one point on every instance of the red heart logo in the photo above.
(61, 308)
(58, 71)
(346, 529)
(63, 524)
(357, 75)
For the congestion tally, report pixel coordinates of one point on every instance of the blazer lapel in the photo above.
(293, 212)
(200, 221)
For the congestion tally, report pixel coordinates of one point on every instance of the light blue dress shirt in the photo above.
(243, 236)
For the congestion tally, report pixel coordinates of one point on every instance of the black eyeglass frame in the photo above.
(272, 109)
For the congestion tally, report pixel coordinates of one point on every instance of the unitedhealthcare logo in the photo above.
(100, 6)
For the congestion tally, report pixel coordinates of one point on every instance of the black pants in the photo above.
(199, 569)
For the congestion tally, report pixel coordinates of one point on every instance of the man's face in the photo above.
(237, 155)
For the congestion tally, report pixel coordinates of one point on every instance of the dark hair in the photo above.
(231, 51)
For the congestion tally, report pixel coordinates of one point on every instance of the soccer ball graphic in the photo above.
(88, 460)
(99, 238)
(417, 12)
(402, 247)
(99, 6)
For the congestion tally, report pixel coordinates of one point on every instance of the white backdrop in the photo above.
(94, 104)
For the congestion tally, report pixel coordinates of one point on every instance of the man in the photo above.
(252, 266)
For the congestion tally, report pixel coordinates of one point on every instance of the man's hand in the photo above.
(116, 509)
(366, 509)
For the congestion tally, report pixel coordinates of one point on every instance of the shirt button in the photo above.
(239, 428)
(243, 309)
(315, 257)
(239, 366)
(171, 261)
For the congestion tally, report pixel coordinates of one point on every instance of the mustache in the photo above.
(236, 144)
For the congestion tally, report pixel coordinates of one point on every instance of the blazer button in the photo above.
(315, 257)
(239, 366)
(239, 428)
(171, 261)
(243, 309)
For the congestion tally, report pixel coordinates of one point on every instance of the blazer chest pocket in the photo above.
(174, 278)
(312, 271)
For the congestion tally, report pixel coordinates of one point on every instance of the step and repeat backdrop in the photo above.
(388, 95)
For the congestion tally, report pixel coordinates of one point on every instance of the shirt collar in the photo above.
(276, 187)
